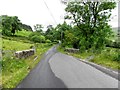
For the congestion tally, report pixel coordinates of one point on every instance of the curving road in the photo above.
(57, 70)
(76, 74)
(42, 76)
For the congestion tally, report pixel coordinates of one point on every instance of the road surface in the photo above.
(42, 76)
(76, 74)
(57, 70)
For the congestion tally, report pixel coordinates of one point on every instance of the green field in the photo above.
(15, 45)
(14, 70)
(23, 33)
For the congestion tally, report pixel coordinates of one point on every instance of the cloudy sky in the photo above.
(43, 12)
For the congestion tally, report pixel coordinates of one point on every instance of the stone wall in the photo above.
(72, 50)
(24, 53)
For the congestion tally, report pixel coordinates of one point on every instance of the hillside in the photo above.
(14, 69)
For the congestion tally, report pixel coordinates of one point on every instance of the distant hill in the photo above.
(26, 27)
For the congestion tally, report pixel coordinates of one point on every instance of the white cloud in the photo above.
(114, 17)
(33, 12)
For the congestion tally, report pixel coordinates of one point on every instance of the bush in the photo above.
(33, 34)
(37, 38)
(6, 32)
(48, 41)
(116, 57)
(42, 38)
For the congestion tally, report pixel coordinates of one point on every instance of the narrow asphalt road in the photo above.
(42, 76)
(57, 70)
(76, 74)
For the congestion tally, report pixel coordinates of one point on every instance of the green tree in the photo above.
(6, 25)
(37, 37)
(91, 18)
(70, 39)
(38, 28)
(10, 24)
(60, 31)
(15, 24)
(50, 33)
(57, 33)
(0, 22)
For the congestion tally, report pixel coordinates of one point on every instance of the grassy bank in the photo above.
(15, 70)
(108, 58)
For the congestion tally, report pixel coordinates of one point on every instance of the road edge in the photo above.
(105, 70)
(110, 72)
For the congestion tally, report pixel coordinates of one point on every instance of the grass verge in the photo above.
(15, 70)
(110, 57)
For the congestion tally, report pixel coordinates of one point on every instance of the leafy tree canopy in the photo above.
(26, 27)
(91, 20)
(10, 24)
(38, 28)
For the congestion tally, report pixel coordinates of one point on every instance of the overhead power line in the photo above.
(49, 11)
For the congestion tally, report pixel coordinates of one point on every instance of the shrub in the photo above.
(33, 34)
(42, 38)
(48, 41)
(37, 38)
(116, 57)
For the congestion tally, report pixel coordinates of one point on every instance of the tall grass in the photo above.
(13, 69)
(109, 57)
(23, 33)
